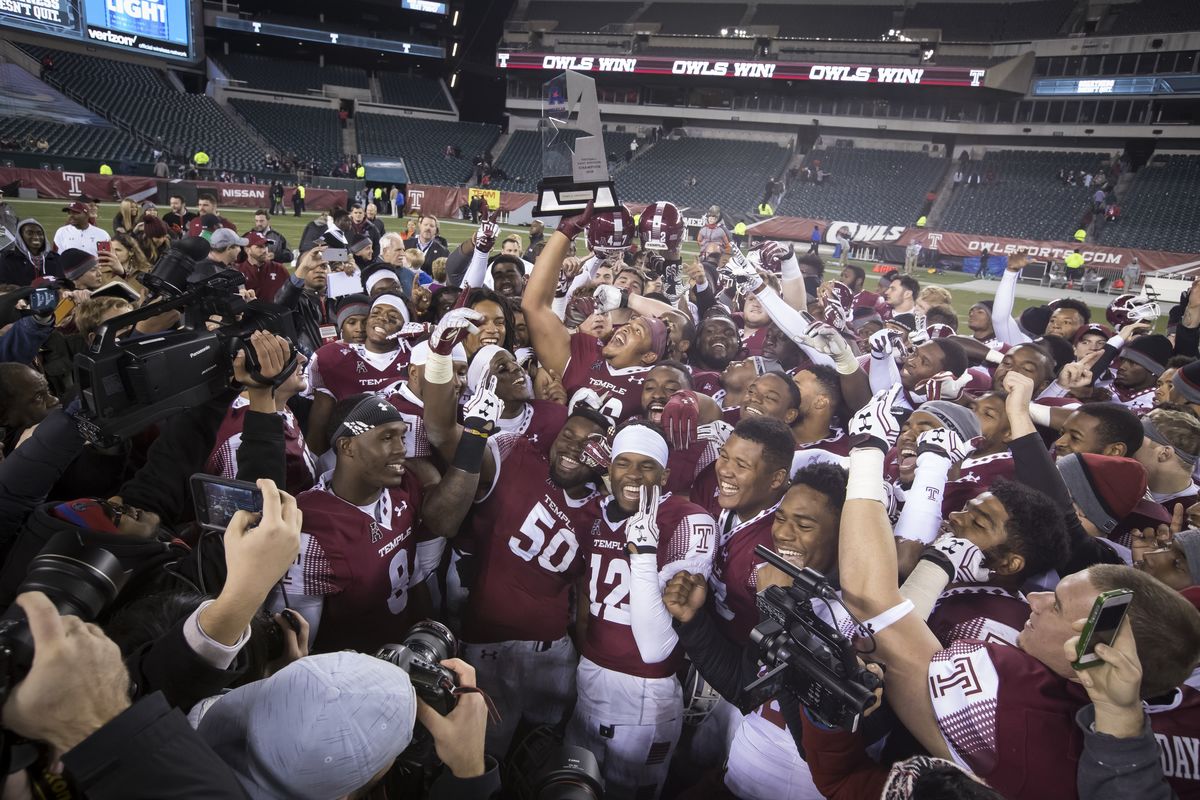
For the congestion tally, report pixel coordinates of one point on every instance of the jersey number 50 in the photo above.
(555, 555)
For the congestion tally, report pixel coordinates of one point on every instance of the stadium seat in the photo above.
(398, 89)
(828, 20)
(1162, 209)
(878, 187)
(583, 17)
(702, 18)
(310, 133)
(1156, 16)
(422, 144)
(290, 76)
(522, 158)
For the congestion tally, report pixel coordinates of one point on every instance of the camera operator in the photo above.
(313, 314)
(76, 700)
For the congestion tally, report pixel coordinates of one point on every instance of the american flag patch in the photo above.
(658, 753)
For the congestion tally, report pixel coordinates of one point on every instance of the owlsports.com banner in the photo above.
(730, 68)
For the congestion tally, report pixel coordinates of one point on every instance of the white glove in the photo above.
(453, 329)
(486, 235)
(641, 530)
(946, 443)
(944, 386)
(884, 342)
(609, 298)
(717, 431)
(826, 339)
(482, 411)
(876, 421)
(743, 274)
(962, 560)
(587, 397)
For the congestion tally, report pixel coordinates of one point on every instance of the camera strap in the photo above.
(883, 621)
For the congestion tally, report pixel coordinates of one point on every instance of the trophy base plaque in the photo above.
(563, 196)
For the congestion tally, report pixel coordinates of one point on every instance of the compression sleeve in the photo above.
(921, 518)
(884, 374)
(476, 270)
(1002, 320)
(789, 320)
(649, 618)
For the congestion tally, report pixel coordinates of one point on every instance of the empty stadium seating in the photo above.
(1162, 209)
(142, 99)
(880, 187)
(1156, 16)
(522, 158)
(304, 131)
(828, 21)
(1027, 200)
(576, 16)
(292, 77)
(982, 22)
(111, 145)
(422, 144)
(732, 174)
(398, 89)
(703, 18)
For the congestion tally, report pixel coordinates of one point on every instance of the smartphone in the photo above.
(103, 247)
(338, 255)
(1101, 626)
(218, 499)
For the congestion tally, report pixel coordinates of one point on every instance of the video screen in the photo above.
(223, 502)
(152, 27)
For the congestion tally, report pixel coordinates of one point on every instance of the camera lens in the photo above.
(432, 641)
(572, 773)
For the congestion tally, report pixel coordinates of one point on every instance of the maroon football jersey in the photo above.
(734, 578)
(686, 465)
(1008, 718)
(416, 442)
(343, 370)
(754, 340)
(363, 564)
(1139, 402)
(539, 422)
(264, 280)
(706, 382)
(687, 536)
(525, 541)
(301, 471)
(985, 613)
(587, 367)
(976, 476)
(1176, 726)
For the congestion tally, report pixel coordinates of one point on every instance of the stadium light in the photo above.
(453, 80)
(454, 22)
(454, 50)
(724, 31)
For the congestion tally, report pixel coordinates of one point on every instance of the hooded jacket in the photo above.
(20, 267)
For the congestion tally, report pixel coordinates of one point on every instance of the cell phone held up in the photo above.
(217, 499)
(103, 247)
(1101, 626)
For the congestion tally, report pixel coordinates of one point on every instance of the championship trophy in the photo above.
(574, 165)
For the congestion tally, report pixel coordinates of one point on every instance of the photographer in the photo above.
(76, 700)
(304, 294)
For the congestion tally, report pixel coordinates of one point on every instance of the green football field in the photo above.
(49, 213)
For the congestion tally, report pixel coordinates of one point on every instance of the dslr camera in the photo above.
(805, 656)
(426, 645)
(127, 385)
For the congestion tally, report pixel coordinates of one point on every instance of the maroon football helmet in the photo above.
(837, 304)
(1130, 308)
(611, 231)
(661, 227)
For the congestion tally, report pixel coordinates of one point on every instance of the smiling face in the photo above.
(906, 445)
(630, 345)
(768, 395)
(507, 279)
(492, 329)
(925, 362)
(1051, 617)
(718, 341)
(382, 322)
(566, 470)
(511, 383)
(34, 238)
(661, 382)
(628, 473)
(744, 481)
(805, 530)
(753, 313)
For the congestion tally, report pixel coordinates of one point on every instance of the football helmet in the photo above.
(661, 227)
(1129, 308)
(611, 231)
(837, 304)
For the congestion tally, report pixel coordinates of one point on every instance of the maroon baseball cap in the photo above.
(77, 208)
(255, 238)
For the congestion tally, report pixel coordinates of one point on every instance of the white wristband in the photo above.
(881, 622)
(866, 475)
(994, 357)
(790, 269)
(1040, 414)
(438, 368)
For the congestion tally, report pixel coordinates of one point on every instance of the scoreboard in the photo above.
(150, 27)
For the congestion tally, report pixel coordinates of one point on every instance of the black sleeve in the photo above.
(1035, 469)
(261, 453)
(149, 751)
(448, 787)
(1102, 364)
(1187, 341)
(182, 447)
(289, 295)
(456, 267)
(29, 472)
(725, 665)
(283, 255)
(170, 666)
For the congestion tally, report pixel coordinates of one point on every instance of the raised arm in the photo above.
(550, 338)
(1002, 320)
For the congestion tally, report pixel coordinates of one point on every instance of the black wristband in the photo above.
(468, 456)
(624, 298)
(941, 559)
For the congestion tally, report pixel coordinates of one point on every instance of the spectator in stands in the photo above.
(179, 216)
(79, 233)
(207, 204)
(276, 242)
(30, 257)
(426, 240)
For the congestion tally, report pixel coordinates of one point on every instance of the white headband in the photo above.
(479, 363)
(641, 440)
(393, 301)
(381, 275)
(420, 354)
